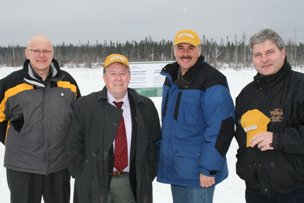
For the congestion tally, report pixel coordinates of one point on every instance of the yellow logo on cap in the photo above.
(187, 36)
(254, 122)
(116, 58)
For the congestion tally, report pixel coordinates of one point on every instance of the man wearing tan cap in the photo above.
(113, 141)
(270, 131)
(197, 123)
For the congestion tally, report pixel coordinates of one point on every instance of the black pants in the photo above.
(29, 187)
(254, 196)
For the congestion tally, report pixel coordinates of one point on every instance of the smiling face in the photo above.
(267, 58)
(40, 53)
(117, 78)
(186, 55)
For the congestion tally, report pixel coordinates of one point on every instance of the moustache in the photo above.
(186, 57)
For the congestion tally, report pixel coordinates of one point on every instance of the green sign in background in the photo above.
(150, 92)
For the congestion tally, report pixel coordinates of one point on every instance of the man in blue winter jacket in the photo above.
(197, 123)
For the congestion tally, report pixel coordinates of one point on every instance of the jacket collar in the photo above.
(131, 93)
(33, 78)
(264, 82)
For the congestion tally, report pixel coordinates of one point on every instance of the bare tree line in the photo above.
(234, 54)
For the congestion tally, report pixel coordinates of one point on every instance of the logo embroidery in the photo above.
(251, 127)
(117, 57)
(185, 34)
(276, 115)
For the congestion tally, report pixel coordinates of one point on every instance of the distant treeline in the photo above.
(235, 54)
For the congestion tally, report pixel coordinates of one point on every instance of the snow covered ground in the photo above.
(89, 80)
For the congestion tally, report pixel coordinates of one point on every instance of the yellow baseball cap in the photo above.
(187, 36)
(115, 58)
(254, 122)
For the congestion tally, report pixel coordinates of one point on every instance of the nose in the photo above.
(185, 52)
(40, 53)
(264, 58)
(118, 76)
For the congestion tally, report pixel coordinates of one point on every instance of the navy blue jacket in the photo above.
(197, 125)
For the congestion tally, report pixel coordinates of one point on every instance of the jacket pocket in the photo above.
(18, 123)
(83, 182)
(186, 162)
(245, 166)
(192, 111)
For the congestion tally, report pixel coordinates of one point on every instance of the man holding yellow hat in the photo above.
(113, 141)
(270, 127)
(197, 123)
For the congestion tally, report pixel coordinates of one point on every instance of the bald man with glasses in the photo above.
(35, 112)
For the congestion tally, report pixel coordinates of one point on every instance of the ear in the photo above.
(200, 50)
(104, 77)
(129, 77)
(283, 52)
(26, 53)
(173, 51)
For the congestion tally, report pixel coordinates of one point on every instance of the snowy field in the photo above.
(230, 190)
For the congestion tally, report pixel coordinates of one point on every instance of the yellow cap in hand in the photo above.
(254, 122)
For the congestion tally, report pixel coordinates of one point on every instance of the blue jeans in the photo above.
(182, 194)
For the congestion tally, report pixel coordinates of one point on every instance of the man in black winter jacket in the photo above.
(270, 128)
(113, 141)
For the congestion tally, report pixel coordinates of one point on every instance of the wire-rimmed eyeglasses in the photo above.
(43, 51)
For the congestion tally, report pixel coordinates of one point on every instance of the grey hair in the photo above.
(266, 34)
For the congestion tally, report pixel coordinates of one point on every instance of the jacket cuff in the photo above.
(208, 173)
(275, 141)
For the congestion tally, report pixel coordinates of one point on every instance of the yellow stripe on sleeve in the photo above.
(66, 84)
(12, 92)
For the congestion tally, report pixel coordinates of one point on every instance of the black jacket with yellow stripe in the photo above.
(34, 119)
(281, 98)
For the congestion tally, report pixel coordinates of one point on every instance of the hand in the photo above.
(206, 181)
(263, 141)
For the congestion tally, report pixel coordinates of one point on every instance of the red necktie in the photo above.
(121, 146)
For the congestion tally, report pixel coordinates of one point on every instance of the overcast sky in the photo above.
(71, 21)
